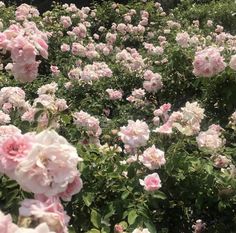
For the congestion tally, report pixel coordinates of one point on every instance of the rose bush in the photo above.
(117, 118)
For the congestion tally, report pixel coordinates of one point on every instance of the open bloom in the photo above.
(151, 182)
(48, 210)
(152, 158)
(208, 62)
(6, 224)
(135, 134)
(51, 165)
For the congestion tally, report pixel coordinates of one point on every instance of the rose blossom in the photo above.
(13, 150)
(139, 230)
(208, 62)
(232, 63)
(48, 210)
(151, 182)
(183, 39)
(114, 94)
(6, 224)
(51, 165)
(210, 139)
(152, 158)
(135, 134)
(41, 228)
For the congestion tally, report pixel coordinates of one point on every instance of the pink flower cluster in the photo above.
(7, 226)
(91, 72)
(114, 94)
(137, 97)
(208, 62)
(49, 103)
(152, 81)
(130, 59)
(46, 165)
(183, 39)
(211, 139)
(24, 43)
(12, 98)
(89, 123)
(25, 11)
(232, 63)
(152, 49)
(135, 134)
(187, 120)
(43, 163)
(46, 209)
(232, 121)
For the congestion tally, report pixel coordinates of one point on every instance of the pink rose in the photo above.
(74, 187)
(152, 158)
(47, 210)
(6, 224)
(13, 150)
(25, 72)
(151, 182)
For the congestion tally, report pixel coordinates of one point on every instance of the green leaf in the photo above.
(88, 199)
(159, 195)
(95, 218)
(151, 227)
(132, 216)
(124, 195)
(93, 231)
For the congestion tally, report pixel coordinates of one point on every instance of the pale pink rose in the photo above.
(65, 21)
(232, 63)
(156, 120)
(118, 228)
(25, 11)
(51, 165)
(74, 187)
(141, 230)
(7, 107)
(138, 93)
(210, 139)
(78, 49)
(219, 29)
(114, 94)
(41, 228)
(50, 88)
(135, 134)
(88, 122)
(209, 23)
(208, 62)
(152, 158)
(3, 41)
(13, 150)
(7, 131)
(48, 210)
(164, 129)
(110, 38)
(6, 224)
(4, 118)
(55, 70)
(25, 72)
(151, 182)
(22, 51)
(29, 115)
(199, 226)
(41, 46)
(65, 47)
(220, 161)
(80, 31)
(61, 105)
(153, 85)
